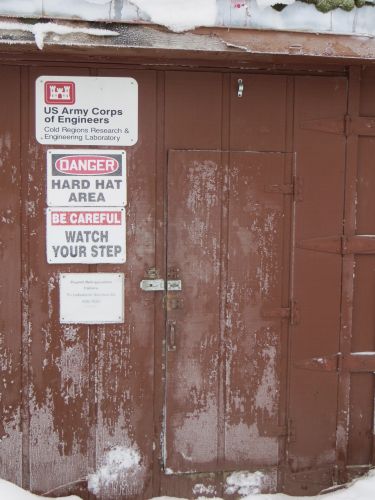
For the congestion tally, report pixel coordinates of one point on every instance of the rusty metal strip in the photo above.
(345, 245)
(358, 362)
(348, 125)
(347, 287)
(276, 313)
(359, 244)
(360, 125)
(328, 125)
(329, 244)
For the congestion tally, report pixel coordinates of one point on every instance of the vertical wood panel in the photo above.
(362, 385)
(59, 354)
(10, 272)
(125, 353)
(257, 224)
(194, 222)
(317, 279)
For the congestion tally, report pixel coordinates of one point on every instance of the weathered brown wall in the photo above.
(203, 165)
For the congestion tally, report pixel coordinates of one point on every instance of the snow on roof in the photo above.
(181, 15)
(40, 30)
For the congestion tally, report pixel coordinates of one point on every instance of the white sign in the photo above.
(86, 235)
(86, 177)
(91, 298)
(87, 110)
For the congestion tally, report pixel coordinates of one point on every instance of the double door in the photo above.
(263, 365)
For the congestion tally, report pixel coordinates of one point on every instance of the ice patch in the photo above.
(119, 463)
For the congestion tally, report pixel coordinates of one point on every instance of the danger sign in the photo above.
(87, 110)
(86, 235)
(86, 177)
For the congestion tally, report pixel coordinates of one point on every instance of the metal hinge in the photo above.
(292, 313)
(344, 245)
(287, 431)
(328, 125)
(359, 125)
(294, 188)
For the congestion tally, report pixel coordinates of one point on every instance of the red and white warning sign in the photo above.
(86, 235)
(86, 110)
(86, 177)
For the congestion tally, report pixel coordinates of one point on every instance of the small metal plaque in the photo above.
(174, 285)
(156, 285)
(92, 298)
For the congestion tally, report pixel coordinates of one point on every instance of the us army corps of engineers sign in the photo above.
(86, 110)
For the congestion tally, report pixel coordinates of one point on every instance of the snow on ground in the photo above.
(360, 489)
(9, 491)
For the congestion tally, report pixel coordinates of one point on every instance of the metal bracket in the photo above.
(171, 303)
(174, 285)
(240, 87)
(153, 285)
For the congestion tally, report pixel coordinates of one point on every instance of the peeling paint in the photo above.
(44, 437)
(266, 397)
(190, 430)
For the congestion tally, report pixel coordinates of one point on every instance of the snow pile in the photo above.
(179, 15)
(119, 462)
(9, 491)
(244, 483)
(40, 30)
(360, 489)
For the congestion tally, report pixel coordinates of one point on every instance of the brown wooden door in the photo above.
(229, 218)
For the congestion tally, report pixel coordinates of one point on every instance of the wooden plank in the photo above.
(125, 353)
(348, 269)
(58, 364)
(258, 223)
(194, 221)
(10, 271)
(361, 433)
(316, 282)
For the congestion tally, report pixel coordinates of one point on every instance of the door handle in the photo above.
(171, 336)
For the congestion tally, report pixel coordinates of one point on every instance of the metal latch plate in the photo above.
(174, 285)
(152, 285)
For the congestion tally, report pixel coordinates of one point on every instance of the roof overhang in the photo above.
(222, 45)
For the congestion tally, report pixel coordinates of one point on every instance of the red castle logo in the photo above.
(59, 93)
